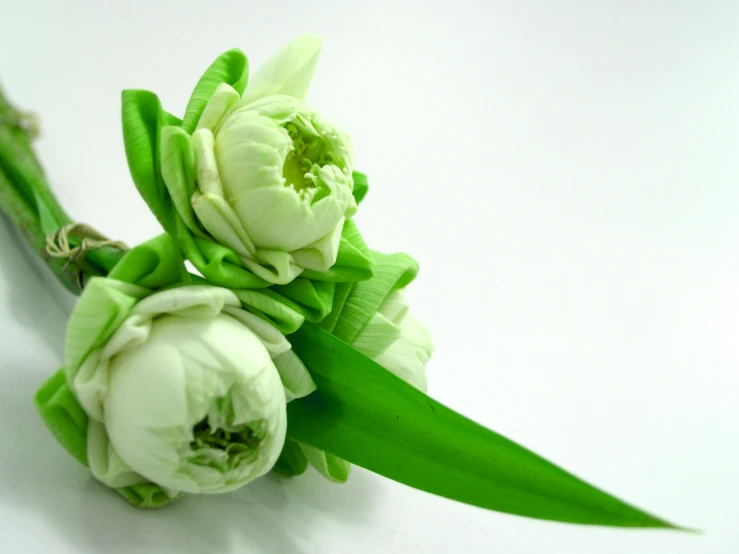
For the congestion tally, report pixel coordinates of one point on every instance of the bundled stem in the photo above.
(27, 200)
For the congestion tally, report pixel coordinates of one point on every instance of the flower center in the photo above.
(308, 155)
(224, 449)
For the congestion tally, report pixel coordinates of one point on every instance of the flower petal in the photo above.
(219, 219)
(223, 99)
(321, 255)
(288, 72)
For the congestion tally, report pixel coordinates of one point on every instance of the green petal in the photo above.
(274, 266)
(147, 495)
(178, 173)
(295, 377)
(217, 263)
(231, 68)
(142, 118)
(354, 261)
(341, 294)
(154, 264)
(268, 307)
(63, 415)
(332, 468)
(361, 186)
(67, 421)
(313, 299)
(292, 461)
(101, 309)
(377, 335)
(392, 272)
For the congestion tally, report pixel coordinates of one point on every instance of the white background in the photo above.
(567, 175)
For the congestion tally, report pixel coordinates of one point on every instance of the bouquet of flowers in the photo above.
(258, 332)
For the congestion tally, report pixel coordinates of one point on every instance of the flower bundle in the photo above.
(289, 344)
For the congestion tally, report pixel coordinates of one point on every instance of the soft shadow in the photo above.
(34, 298)
(273, 514)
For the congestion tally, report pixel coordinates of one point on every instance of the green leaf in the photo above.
(142, 119)
(361, 187)
(231, 68)
(367, 416)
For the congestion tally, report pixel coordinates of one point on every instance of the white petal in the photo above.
(218, 106)
(294, 375)
(321, 255)
(219, 219)
(206, 167)
(289, 72)
(273, 266)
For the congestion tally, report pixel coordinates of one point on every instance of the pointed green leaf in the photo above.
(367, 416)
(231, 68)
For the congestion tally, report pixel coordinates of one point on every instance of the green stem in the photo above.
(26, 198)
(26, 221)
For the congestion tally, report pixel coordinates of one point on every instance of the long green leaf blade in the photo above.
(367, 416)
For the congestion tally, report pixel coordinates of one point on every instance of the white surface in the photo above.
(567, 174)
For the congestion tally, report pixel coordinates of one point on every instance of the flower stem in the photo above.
(26, 198)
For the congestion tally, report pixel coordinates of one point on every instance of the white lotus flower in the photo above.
(397, 341)
(272, 178)
(186, 392)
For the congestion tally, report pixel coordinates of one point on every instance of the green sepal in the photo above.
(104, 305)
(154, 264)
(391, 272)
(232, 68)
(341, 293)
(147, 495)
(292, 461)
(361, 186)
(354, 260)
(364, 414)
(217, 263)
(67, 421)
(272, 308)
(312, 299)
(331, 467)
(63, 415)
(143, 118)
